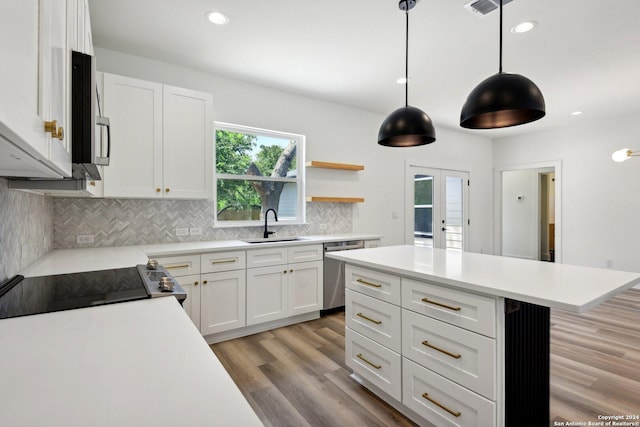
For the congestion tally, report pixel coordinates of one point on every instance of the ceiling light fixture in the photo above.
(624, 154)
(407, 126)
(502, 100)
(524, 27)
(218, 18)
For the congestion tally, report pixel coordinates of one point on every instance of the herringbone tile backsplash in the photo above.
(119, 222)
(26, 229)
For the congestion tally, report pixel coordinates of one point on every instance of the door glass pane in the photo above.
(454, 213)
(423, 210)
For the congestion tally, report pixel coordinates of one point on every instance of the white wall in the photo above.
(600, 198)
(520, 214)
(336, 133)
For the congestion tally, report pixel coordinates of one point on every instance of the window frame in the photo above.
(299, 180)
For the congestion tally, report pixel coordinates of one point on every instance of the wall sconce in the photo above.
(624, 154)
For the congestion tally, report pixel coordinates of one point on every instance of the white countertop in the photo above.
(140, 363)
(560, 286)
(61, 261)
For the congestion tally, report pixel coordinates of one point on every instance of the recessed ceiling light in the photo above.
(576, 113)
(218, 18)
(523, 27)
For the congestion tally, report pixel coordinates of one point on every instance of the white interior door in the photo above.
(437, 208)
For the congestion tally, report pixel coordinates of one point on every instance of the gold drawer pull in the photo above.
(361, 357)
(448, 353)
(428, 301)
(435, 402)
(377, 322)
(364, 282)
(174, 267)
(223, 261)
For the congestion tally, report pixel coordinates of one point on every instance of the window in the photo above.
(256, 170)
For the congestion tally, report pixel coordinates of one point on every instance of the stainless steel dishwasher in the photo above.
(334, 274)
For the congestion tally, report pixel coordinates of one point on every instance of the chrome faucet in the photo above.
(266, 231)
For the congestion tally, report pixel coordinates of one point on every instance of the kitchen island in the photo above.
(139, 363)
(461, 339)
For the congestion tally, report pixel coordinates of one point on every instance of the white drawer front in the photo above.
(374, 362)
(181, 265)
(373, 283)
(462, 356)
(443, 402)
(304, 253)
(374, 319)
(266, 257)
(473, 312)
(223, 261)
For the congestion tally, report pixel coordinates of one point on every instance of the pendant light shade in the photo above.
(502, 100)
(407, 126)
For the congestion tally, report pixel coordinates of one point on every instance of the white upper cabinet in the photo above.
(162, 140)
(134, 108)
(188, 143)
(34, 88)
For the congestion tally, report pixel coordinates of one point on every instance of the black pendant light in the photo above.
(407, 126)
(502, 100)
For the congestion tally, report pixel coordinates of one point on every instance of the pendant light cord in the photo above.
(500, 69)
(406, 59)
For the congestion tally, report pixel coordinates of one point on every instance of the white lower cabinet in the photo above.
(191, 285)
(266, 294)
(222, 301)
(443, 402)
(432, 348)
(283, 289)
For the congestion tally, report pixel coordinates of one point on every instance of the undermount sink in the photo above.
(273, 240)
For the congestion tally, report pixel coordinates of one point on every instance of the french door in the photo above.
(437, 208)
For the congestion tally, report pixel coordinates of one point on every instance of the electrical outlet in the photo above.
(84, 239)
(182, 231)
(195, 231)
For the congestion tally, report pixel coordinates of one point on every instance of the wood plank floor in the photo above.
(296, 376)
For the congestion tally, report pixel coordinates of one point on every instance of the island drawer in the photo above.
(180, 265)
(373, 283)
(223, 261)
(462, 356)
(443, 402)
(374, 362)
(374, 319)
(474, 312)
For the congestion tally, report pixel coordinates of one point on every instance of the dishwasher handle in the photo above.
(359, 245)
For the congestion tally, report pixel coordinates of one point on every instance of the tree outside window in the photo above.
(257, 170)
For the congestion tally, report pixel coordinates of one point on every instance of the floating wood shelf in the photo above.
(336, 199)
(329, 165)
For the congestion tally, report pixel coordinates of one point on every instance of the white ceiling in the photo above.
(584, 54)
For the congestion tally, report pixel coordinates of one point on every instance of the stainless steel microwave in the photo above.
(87, 150)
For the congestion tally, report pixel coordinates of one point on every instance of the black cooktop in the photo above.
(21, 296)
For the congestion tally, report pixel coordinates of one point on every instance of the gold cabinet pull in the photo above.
(435, 402)
(428, 301)
(195, 283)
(291, 271)
(158, 190)
(364, 282)
(222, 261)
(361, 357)
(377, 322)
(166, 190)
(174, 267)
(204, 282)
(52, 127)
(448, 353)
(285, 271)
